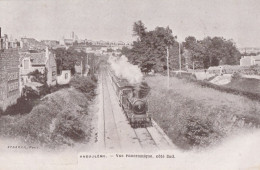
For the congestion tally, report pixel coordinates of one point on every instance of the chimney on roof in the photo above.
(47, 53)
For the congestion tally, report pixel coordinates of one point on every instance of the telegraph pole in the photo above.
(81, 66)
(87, 58)
(180, 55)
(168, 70)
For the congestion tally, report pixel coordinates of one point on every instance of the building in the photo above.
(68, 42)
(249, 50)
(64, 77)
(8, 42)
(9, 77)
(80, 47)
(31, 44)
(71, 41)
(50, 43)
(43, 61)
(113, 44)
(250, 60)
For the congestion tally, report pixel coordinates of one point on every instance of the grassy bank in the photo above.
(247, 87)
(60, 119)
(193, 115)
(25, 104)
(245, 84)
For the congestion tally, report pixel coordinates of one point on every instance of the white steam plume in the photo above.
(126, 70)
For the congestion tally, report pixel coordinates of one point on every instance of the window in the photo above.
(53, 73)
(26, 64)
(66, 75)
(12, 76)
(13, 86)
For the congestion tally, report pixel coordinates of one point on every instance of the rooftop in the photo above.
(36, 58)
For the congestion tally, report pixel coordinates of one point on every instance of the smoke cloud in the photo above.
(126, 70)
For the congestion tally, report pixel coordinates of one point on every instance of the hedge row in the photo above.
(228, 69)
(250, 95)
(204, 83)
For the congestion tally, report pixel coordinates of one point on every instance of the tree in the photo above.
(149, 51)
(195, 52)
(110, 50)
(37, 76)
(66, 59)
(219, 49)
(126, 51)
(139, 29)
(211, 51)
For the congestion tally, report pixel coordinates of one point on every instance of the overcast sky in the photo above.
(113, 19)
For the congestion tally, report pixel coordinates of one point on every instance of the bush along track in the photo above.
(61, 119)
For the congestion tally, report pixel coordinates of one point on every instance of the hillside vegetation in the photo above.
(60, 119)
(197, 116)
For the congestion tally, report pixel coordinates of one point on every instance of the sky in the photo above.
(112, 20)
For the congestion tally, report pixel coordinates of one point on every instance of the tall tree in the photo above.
(212, 51)
(219, 49)
(195, 52)
(149, 50)
(139, 29)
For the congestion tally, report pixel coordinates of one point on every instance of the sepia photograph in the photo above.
(130, 84)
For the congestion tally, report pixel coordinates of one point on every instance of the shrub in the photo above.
(183, 75)
(60, 119)
(58, 87)
(22, 106)
(37, 76)
(236, 75)
(200, 132)
(44, 90)
(29, 93)
(94, 78)
(69, 125)
(85, 85)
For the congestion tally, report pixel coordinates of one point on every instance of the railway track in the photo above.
(115, 130)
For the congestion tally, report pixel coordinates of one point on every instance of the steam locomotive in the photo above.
(133, 103)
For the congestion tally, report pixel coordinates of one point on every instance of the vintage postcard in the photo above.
(130, 84)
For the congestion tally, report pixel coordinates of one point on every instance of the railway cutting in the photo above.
(116, 131)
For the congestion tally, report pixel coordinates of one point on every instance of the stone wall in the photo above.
(9, 77)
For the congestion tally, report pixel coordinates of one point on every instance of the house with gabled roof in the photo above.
(42, 61)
